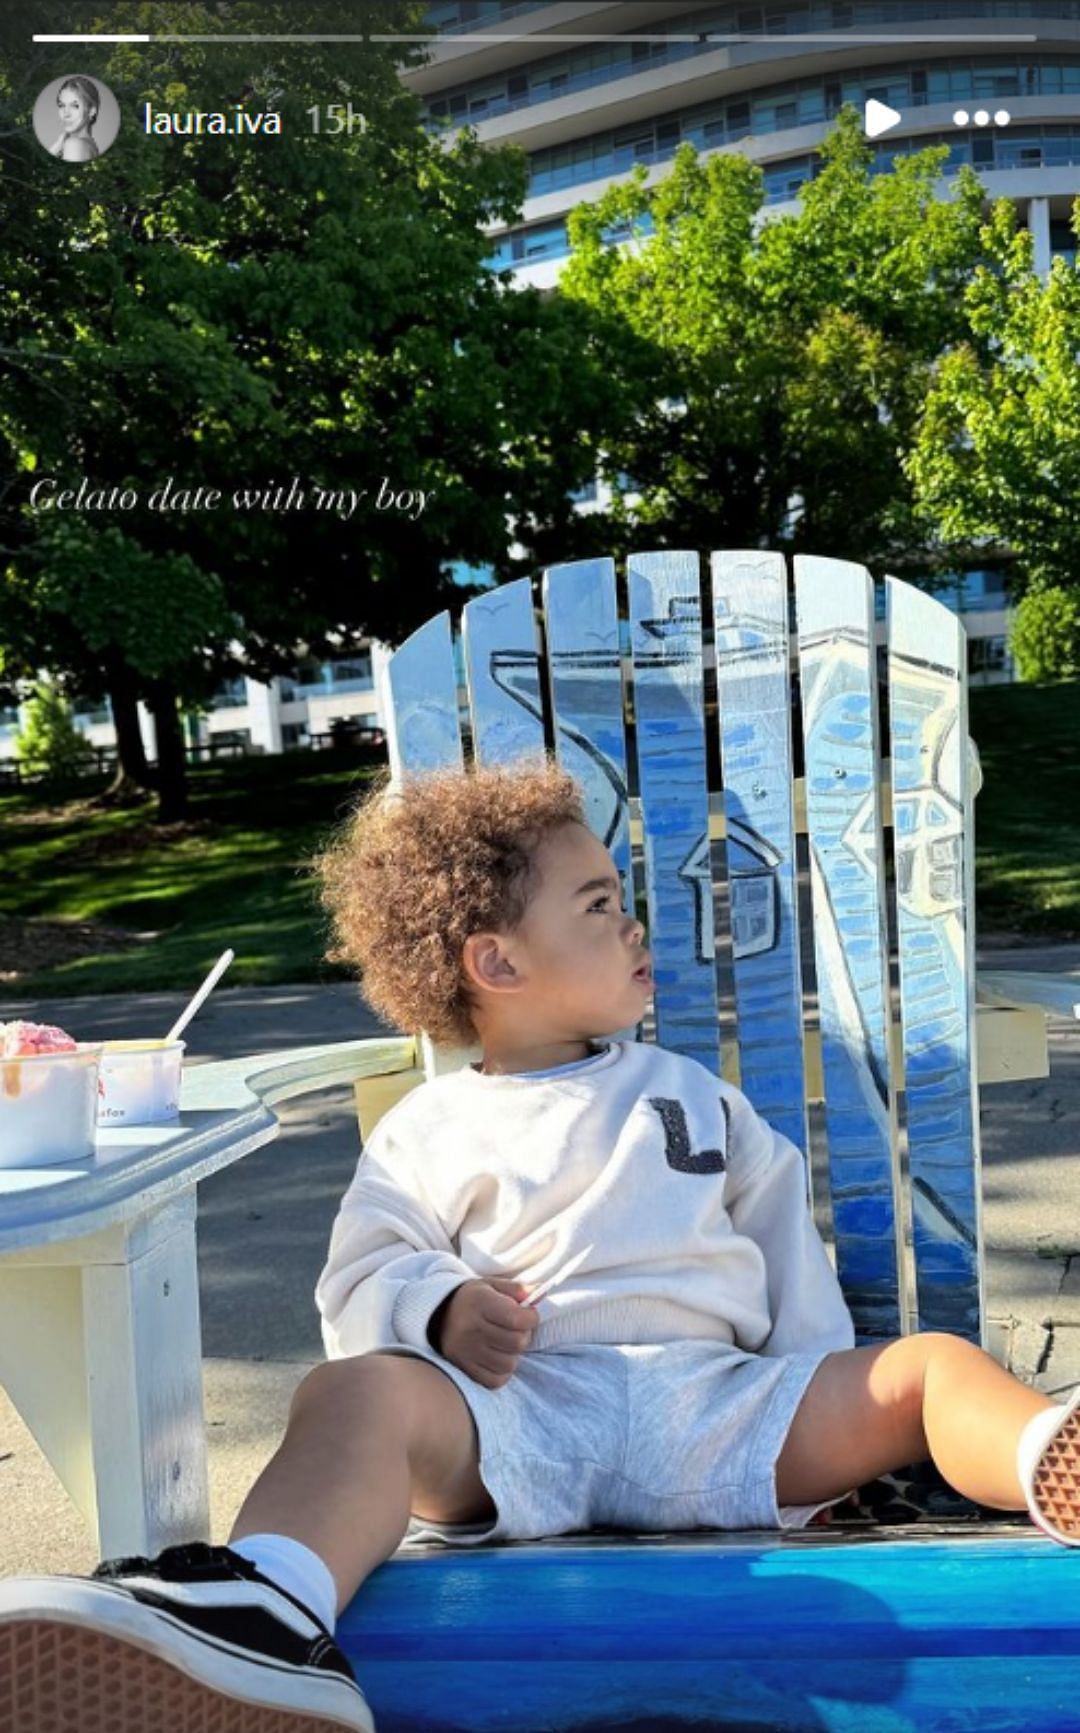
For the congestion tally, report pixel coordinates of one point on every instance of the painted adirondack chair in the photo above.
(820, 1628)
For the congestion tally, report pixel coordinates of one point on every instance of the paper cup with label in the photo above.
(48, 1106)
(140, 1082)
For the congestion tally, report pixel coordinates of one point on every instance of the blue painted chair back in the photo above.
(605, 673)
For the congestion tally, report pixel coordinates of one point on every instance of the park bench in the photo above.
(845, 1625)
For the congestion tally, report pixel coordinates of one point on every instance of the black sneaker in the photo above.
(194, 1641)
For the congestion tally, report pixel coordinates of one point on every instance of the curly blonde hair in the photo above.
(410, 876)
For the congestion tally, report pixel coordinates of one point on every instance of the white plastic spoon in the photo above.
(202, 994)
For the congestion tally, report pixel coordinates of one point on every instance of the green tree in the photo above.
(48, 739)
(1045, 636)
(236, 314)
(772, 360)
(997, 455)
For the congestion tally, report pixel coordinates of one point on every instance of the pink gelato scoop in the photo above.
(21, 1040)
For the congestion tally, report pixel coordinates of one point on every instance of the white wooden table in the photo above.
(100, 1347)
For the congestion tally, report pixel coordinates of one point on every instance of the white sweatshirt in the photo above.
(693, 1209)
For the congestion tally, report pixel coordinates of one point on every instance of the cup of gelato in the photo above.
(140, 1082)
(48, 1095)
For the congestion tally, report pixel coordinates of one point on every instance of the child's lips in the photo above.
(644, 974)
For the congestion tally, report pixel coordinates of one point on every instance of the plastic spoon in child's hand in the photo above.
(560, 1276)
(202, 994)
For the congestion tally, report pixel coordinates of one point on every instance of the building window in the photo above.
(350, 673)
(982, 589)
(987, 656)
(236, 741)
(231, 694)
(463, 573)
(294, 735)
(308, 675)
(87, 714)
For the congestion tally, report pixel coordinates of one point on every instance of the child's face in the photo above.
(584, 969)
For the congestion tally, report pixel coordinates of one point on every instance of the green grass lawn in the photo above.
(236, 873)
(1027, 818)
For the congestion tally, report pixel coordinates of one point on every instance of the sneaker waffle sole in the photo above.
(1056, 1481)
(61, 1678)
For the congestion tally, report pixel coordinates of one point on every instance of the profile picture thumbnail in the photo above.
(76, 118)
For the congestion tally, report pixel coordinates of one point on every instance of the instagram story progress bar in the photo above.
(579, 37)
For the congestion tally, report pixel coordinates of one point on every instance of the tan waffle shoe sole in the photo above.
(61, 1678)
(1056, 1480)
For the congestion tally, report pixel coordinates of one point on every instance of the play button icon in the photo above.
(879, 117)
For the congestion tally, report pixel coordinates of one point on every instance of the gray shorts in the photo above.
(654, 1437)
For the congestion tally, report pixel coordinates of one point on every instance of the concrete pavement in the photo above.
(264, 1225)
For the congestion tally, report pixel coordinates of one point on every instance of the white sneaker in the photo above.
(1049, 1465)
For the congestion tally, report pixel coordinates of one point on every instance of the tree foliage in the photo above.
(237, 312)
(48, 739)
(1045, 637)
(997, 457)
(778, 359)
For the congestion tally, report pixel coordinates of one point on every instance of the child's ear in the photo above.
(486, 962)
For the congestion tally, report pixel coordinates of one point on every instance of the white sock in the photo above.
(295, 1568)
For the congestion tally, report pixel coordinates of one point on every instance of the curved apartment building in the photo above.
(591, 89)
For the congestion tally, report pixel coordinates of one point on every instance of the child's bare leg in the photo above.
(369, 1440)
(870, 1410)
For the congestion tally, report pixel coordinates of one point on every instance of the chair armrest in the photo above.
(272, 1078)
(1054, 995)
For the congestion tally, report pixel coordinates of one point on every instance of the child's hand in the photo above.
(485, 1330)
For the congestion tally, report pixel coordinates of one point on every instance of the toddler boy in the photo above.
(690, 1364)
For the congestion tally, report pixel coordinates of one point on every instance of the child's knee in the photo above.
(928, 1357)
(396, 1392)
(360, 1384)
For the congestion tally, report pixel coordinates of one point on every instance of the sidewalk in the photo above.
(265, 1222)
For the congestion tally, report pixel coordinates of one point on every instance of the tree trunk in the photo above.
(134, 775)
(171, 758)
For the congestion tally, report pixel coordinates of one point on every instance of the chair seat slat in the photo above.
(750, 611)
(934, 880)
(581, 623)
(420, 703)
(838, 679)
(582, 626)
(669, 713)
(502, 662)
